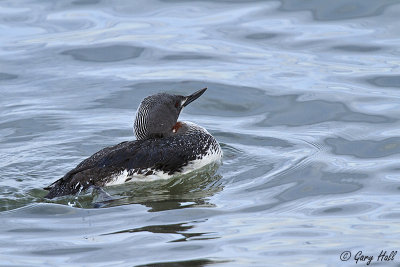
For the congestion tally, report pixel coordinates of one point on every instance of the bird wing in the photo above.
(168, 154)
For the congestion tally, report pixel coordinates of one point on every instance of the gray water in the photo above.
(303, 97)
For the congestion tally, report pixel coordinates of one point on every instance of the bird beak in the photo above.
(189, 99)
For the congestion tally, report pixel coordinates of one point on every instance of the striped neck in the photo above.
(140, 124)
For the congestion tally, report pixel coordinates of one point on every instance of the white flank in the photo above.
(210, 157)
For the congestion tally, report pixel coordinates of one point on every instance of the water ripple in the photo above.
(302, 95)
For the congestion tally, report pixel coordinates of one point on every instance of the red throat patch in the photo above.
(176, 127)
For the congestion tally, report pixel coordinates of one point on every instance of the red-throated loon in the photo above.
(164, 147)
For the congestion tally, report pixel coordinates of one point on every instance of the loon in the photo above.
(164, 147)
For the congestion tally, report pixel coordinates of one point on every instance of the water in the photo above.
(303, 97)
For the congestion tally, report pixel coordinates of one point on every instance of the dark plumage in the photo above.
(163, 145)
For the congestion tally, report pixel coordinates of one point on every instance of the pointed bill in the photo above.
(189, 99)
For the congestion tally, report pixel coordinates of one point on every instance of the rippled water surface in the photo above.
(304, 97)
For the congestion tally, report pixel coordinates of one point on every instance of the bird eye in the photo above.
(177, 104)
